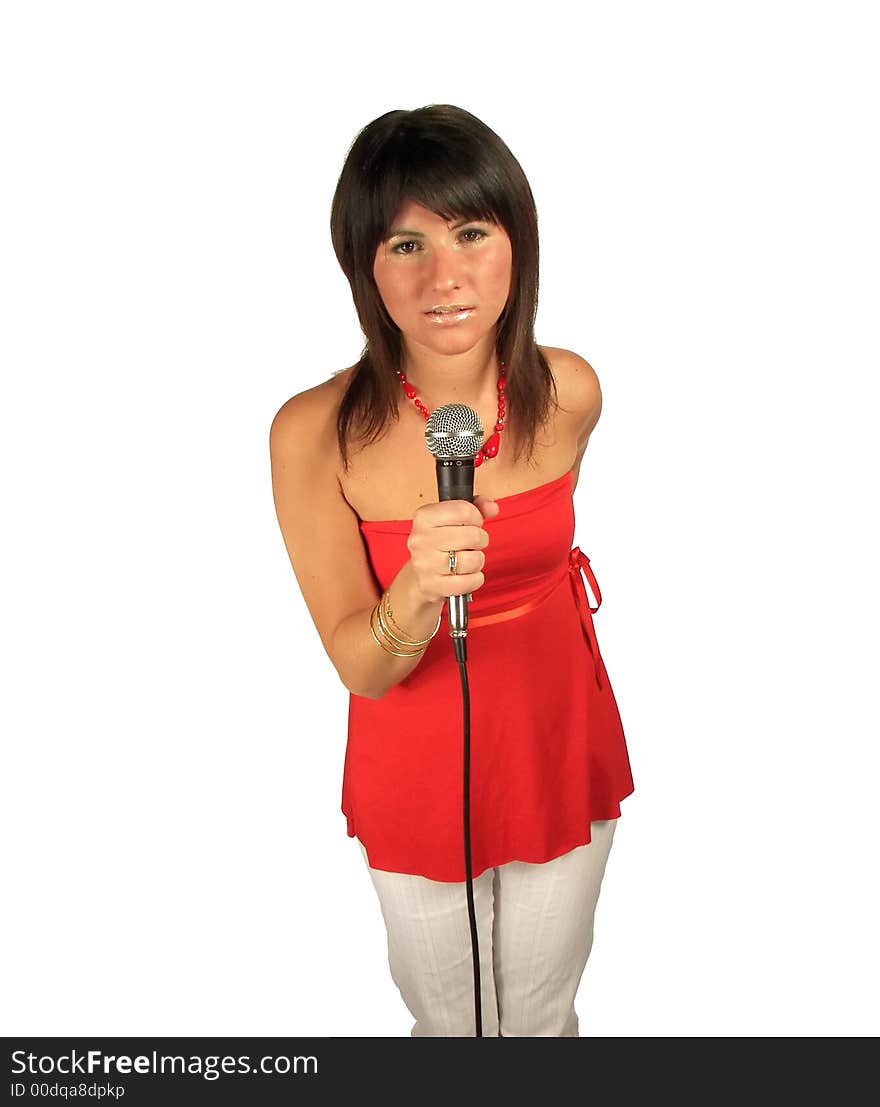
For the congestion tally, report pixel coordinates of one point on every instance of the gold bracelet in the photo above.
(402, 642)
(407, 648)
(385, 611)
(397, 653)
(389, 614)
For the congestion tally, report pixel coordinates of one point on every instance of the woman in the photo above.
(434, 225)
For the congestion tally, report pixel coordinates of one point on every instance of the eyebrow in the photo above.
(419, 234)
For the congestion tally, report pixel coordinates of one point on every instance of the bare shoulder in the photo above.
(308, 419)
(323, 397)
(576, 380)
(577, 385)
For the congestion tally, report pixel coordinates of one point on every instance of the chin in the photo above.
(460, 338)
(452, 348)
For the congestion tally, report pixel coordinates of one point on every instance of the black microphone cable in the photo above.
(461, 657)
(454, 434)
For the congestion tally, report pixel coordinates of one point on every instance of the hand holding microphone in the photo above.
(440, 528)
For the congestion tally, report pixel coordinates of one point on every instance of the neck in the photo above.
(469, 378)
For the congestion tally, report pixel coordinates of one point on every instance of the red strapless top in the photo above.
(548, 753)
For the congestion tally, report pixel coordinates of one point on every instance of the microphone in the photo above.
(454, 435)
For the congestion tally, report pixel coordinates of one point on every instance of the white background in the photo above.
(175, 859)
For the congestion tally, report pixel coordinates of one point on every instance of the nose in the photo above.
(446, 271)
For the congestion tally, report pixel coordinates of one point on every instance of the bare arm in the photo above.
(322, 536)
(379, 670)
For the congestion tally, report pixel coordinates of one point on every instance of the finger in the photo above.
(466, 562)
(459, 538)
(456, 513)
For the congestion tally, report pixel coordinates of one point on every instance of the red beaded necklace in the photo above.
(490, 447)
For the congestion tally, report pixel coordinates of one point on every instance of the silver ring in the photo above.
(453, 562)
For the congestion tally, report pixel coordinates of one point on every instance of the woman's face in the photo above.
(428, 263)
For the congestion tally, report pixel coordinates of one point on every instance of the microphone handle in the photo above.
(455, 478)
(455, 481)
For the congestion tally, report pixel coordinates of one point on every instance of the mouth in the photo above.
(448, 314)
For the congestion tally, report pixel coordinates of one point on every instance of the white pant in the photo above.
(535, 932)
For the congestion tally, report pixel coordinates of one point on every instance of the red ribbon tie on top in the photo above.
(577, 561)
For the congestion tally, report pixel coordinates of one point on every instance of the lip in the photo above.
(450, 318)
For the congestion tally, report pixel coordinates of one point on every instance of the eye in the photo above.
(398, 247)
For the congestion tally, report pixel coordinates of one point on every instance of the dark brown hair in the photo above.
(447, 160)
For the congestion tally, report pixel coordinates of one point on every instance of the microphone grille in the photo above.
(454, 430)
